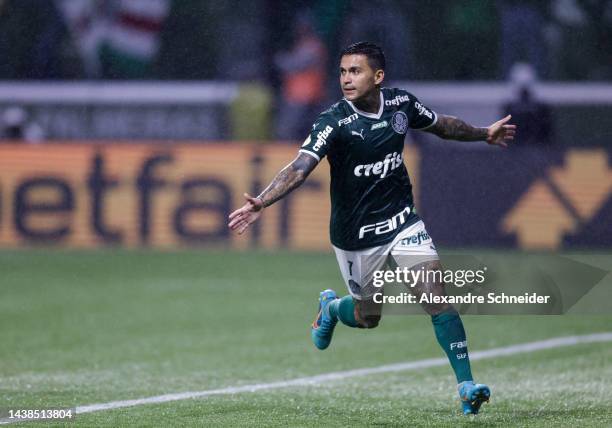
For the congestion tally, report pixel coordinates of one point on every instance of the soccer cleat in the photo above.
(323, 325)
(472, 396)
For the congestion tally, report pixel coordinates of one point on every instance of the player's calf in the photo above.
(448, 327)
(344, 310)
(356, 313)
(367, 313)
(352, 312)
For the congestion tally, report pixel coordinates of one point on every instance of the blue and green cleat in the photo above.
(472, 396)
(323, 325)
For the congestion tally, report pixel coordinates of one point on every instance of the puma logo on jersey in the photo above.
(359, 134)
(391, 162)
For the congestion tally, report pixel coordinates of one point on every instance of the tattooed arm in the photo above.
(289, 178)
(451, 128)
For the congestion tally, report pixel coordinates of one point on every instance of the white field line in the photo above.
(521, 348)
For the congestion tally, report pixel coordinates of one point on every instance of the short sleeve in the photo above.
(324, 131)
(419, 115)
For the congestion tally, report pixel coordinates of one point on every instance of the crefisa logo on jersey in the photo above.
(417, 239)
(380, 168)
(322, 138)
(423, 110)
(397, 100)
(399, 122)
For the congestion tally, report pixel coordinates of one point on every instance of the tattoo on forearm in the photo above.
(451, 128)
(290, 177)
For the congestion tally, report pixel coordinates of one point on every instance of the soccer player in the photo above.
(373, 220)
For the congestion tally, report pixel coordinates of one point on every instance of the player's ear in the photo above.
(379, 76)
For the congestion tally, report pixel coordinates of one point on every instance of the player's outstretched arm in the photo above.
(451, 128)
(289, 178)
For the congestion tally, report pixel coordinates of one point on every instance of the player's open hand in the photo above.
(500, 132)
(242, 218)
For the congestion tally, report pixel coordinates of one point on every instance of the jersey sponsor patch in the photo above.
(388, 164)
(379, 125)
(347, 120)
(416, 239)
(384, 227)
(399, 99)
(399, 122)
(322, 138)
(423, 111)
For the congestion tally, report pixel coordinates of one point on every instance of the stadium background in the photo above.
(131, 126)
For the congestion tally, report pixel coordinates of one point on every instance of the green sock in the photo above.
(344, 310)
(451, 337)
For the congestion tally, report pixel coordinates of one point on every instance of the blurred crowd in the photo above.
(292, 46)
(204, 39)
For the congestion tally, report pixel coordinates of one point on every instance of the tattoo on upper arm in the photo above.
(451, 128)
(305, 163)
(290, 177)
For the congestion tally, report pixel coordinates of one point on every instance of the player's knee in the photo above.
(438, 308)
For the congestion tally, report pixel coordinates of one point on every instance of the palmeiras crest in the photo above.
(399, 122)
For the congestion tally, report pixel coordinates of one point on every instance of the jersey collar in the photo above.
(370, 115)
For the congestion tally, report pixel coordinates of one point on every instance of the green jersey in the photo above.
(371, 193)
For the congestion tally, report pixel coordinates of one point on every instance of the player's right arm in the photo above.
(288, 179)
(315, 147)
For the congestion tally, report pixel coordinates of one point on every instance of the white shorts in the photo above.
(410, 247)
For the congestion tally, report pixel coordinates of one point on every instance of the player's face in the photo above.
(357, 78)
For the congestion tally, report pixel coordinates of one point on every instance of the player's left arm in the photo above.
(451, 128)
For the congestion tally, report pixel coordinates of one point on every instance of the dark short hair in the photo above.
(373, 52)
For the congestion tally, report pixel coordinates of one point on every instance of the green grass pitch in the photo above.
(79, 328)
